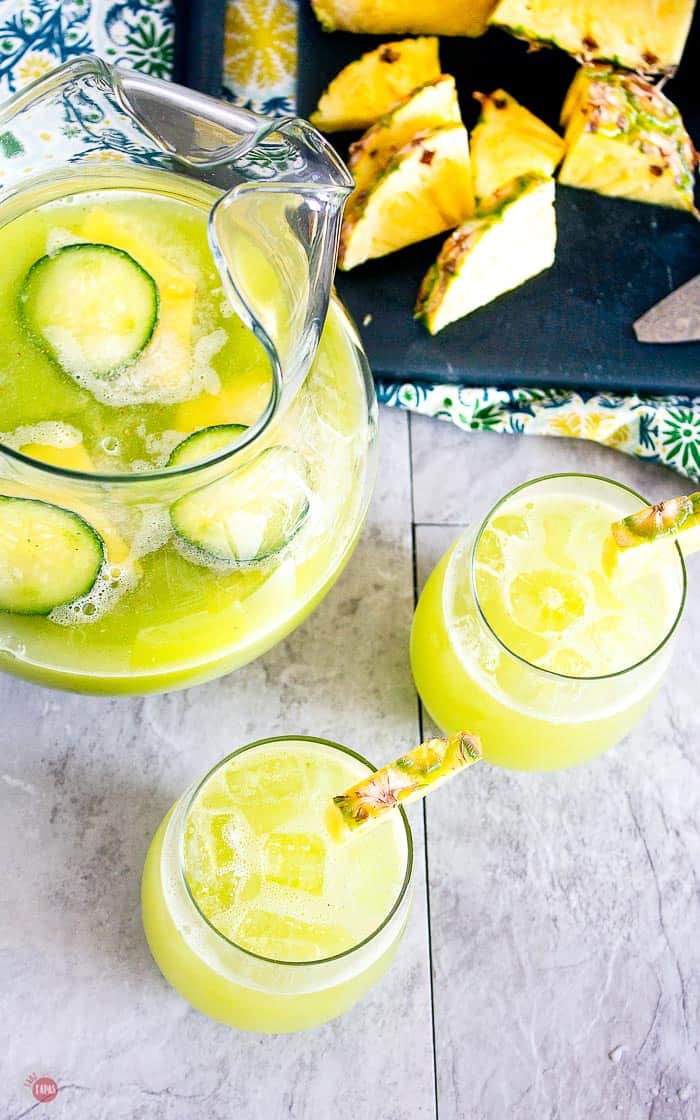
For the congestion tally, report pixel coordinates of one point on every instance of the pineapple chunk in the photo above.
(625, 138)
(416, 773)
(491, 254)
(368, 87)
(402, 17)
(657, 528)
(429, 106)
(509, 141)
(644, 35)
(425, 189)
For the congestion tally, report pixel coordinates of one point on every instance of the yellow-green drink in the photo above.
(520, 636)
(135, 400)
(252, 912)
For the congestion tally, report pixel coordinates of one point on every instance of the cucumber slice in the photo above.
(91, 307)
(249, 516)
(203, 443)
(49, 556)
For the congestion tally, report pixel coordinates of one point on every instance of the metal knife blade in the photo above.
(675, 319)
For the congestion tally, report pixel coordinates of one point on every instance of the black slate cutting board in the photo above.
(570, 326)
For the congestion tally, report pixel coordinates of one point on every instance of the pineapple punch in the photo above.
(272, 901)
(548, 628)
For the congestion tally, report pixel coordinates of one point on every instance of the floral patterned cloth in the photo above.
(259, 73)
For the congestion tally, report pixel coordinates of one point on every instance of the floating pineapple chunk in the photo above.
(509, 141)
(491, 254)
(413, 775)
(431, 105)
(657, 527)
(644, 35)
(368, 87)
(625, 138)
(424, 190)
(400, 17)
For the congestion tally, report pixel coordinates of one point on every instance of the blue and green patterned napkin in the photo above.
(259, 72)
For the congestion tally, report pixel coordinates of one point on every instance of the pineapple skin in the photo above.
(411, 776)
(509, 141)
(439, 196)
(429, 106)
(643, 35)
(440, 287)
(405, 17)
(624, 138)
(372, 84)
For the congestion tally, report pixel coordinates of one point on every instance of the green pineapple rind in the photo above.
(664, 519)
(443, 272)
(637, 114)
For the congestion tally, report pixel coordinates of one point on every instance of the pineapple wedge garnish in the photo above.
(643, 541)
(491, 254)
(416, 773)
(368, 87)
(643, 35)
(404, 17)
(425, 189)
(431, 105)
(625, 138)
(508, 141)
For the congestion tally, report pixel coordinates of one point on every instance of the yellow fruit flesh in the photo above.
(624, 138)
(491, 255)
(644, 35)
(642, 545)
(509, 141)
(430, 106)
(365, 89)
(398, 17)
(425, 190)
(609, 167)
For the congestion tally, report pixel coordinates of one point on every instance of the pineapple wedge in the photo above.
(431, 105)
(424, 190)
(625, 138)
(417, 773)
(658, 529)
(371, 85)
(402, 17)
(491, 254)
(643, 35)
(509, 141)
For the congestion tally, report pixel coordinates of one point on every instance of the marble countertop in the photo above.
(551, 967)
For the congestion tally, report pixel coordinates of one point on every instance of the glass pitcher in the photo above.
(187, 420)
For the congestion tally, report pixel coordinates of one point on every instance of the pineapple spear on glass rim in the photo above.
(413, 775)
(641, 542)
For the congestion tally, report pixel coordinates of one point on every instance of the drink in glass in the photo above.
(522, 637)
(252, 912)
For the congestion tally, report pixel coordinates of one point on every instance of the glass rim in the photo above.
(408, 874)
(551, 673)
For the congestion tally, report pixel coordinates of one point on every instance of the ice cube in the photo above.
(286, 938)
(295, 859)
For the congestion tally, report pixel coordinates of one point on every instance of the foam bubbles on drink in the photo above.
(49, 433)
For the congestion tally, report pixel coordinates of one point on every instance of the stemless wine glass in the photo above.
(555, 708)
(250, 910)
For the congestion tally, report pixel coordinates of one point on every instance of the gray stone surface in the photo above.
(564, 908)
